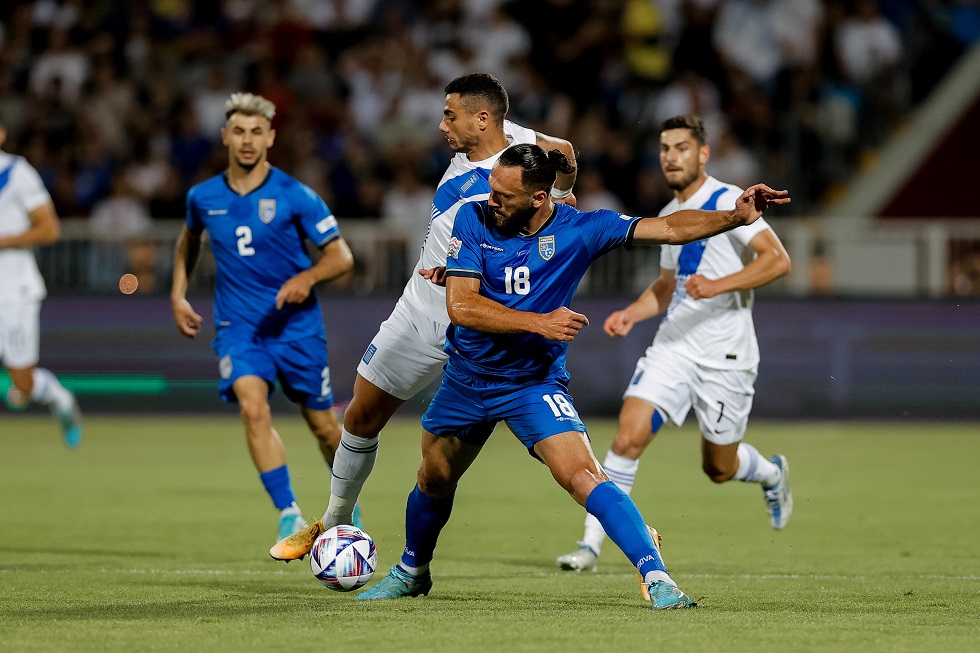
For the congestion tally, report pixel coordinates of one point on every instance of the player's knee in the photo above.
(362, 421)
(255, 412)
(435, 480)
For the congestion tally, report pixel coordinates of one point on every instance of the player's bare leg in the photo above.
(634, 434)
(573, 465)
(267, 450)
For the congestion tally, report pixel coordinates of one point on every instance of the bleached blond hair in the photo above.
(249, 104)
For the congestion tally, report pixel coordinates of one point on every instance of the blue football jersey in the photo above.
(536, 273)
(258, 243)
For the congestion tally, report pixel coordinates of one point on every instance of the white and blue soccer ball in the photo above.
(344, 558)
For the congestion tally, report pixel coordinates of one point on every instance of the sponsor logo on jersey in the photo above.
(328, 223)
(455, 245)
(267, 210)
(492, 248)
(546, 247)
(224, 367)
(217, 211)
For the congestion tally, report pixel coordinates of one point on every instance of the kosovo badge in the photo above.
(267, 210)
(546, 247)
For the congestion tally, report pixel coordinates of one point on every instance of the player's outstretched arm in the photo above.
(694, 224)
(185, 256)
(468, 308)
(336, 260)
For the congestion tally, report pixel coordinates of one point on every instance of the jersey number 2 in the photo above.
(244, 240)
(517, 280)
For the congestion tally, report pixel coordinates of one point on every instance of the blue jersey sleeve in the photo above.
(605, 230)
(464, 258)
(315, 217)
(193, 219)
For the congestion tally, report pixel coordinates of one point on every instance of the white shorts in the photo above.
(722, 399)
(406, 355)
(20, 334)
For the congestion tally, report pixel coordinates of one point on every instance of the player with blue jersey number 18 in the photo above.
(268, 321)
(705, 354)
(407, 353)
(514, 263)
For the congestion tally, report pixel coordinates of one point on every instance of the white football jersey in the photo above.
(464, 181)
(717, 332)
(21, 191)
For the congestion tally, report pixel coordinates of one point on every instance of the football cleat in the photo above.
(664, 596)
(71, 424)
(655, 535)
(778, 498)
(584, 558)
(398, 584)
(297, 545)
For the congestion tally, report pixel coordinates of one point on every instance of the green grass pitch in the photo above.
(153, 536)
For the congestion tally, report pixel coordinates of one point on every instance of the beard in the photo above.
(516, 222)
(685, 181)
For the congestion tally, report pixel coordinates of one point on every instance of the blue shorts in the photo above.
(468, 408)
(299, 364)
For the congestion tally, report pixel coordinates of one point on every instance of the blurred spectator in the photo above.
(62, 63)
(731, 161)
(119, 228)
(591, 193)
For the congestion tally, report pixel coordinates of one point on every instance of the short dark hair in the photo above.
(539, 169)
(687, 121)
(478, 90)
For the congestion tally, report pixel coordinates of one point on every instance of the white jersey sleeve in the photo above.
(464, 181)
(717, 332)
(21, 191)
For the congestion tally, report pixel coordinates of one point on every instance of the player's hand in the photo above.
(561, 324)
(750, 206)
(700, 287)
(187, 320)
(618, 324)
(436, 275)
(295, 290)
(570, 200)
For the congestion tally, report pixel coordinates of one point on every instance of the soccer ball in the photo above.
(344, 558)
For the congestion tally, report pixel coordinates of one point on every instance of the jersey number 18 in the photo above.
(517, 280)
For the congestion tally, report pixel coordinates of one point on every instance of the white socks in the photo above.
(622, 472)
(49, 392)
(754, 468)
(351, 466)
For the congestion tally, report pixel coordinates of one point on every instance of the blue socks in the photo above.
(276, 482)
(424, 518)
(624, 525)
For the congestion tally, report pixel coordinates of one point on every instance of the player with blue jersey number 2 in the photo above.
(268, 321)
(514, 263)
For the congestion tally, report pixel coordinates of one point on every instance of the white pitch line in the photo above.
(840, 577)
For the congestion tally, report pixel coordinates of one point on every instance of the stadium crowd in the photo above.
(119, 105)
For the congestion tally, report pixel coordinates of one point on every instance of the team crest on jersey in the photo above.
(546, 247)
(224, 367)
(267, 210)
(455, 244)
